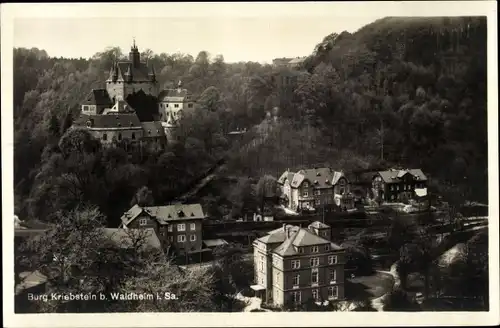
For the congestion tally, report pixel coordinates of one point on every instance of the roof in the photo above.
(297, 60)
(99, 97)
(139, 72)
(319, 177)
(166, 213)
(124, 238)
(173, 94)
(286, 175)
(153, 129)
(394, 176)
(119, 120)
(120, 106)
(318, 225)
(29, 280)
(215, 242)
(276, 236)
(302, 237)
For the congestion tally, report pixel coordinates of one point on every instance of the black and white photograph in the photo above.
(230, 158)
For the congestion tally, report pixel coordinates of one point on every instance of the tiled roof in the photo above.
(176, 212)
(173, 94)
(166, 213)
(300, 238)
(276, 236)
(286, 175)
(394, 176)
(124, 238)
(153, 129)
(319, 177)
(119, 120)
(98, 97)
(139, 73)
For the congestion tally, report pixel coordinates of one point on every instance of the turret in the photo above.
(128, 73)
(134, 56)
(152, 74)
(179, 86)
(114, 72)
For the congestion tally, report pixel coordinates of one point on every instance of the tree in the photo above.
(210, 99)
(67, 122)
(267, 188)
(54, 126)
(78, 141)
(143, 197)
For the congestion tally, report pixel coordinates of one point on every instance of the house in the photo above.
(281, 62)
(129, 238)
(397, 185)
(315, 188)
(295, 264)
(296, 62)
(178, 226)
(132, 106)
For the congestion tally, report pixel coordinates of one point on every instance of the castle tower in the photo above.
(134, 56)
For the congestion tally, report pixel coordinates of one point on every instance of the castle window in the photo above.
(104, 136)
(166, 105)
(190, 105)
(119, 136)
(133, 136)
(176, 105)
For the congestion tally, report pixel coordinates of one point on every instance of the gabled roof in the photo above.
(287, 175)
(125, 238)
(118, 120)
(173, 95)
(98, 97)
(153, 129)
(121, 106)
(319, 177)
(165, 214)
(139, 73)
(393, 176)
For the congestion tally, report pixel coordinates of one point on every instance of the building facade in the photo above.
(396, 185)
(179, 226)
(315, 188)
(132, 89)
(294, 265)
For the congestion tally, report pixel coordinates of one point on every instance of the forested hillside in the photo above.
(401, 91)
(410, 92)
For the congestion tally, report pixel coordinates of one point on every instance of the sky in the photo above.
(251, 33)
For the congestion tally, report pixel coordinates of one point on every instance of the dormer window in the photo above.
(89, 123)
(180, 214)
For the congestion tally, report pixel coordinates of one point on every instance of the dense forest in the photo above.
(399, 91)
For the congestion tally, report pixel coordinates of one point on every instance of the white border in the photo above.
(350, 9)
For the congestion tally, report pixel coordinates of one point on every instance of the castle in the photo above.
(132, 106)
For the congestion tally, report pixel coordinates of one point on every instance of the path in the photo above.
(252, 303)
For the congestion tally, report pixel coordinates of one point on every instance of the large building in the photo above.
(295, 264)
(315, 188)
(132, 106)
(396, 185)
(179, 226)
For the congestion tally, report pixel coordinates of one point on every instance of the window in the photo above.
(333, 292)
(181, 238)
(317, 202)
(104, 136)
(333, 275)
(392, 188)
(190, 105)
(332, 259)
(397, 188)
(133, 136)
(170, 238)
(192, 238)
(176, 105)
(325, 234)
(327, 248)
(192, 226)
(317, 192)
(119, 136)
(296, 280)
(314, 261)
(295, 264)
(314, 277)
(261, 264)
(392, 197)
(143, 222)
(181, 227)
(306, 184)
(162, 233)
(305, 193)
(315, 249)
(301, 250)
(170, 228)
(296, 297)
(315, 294)
(342, 190)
